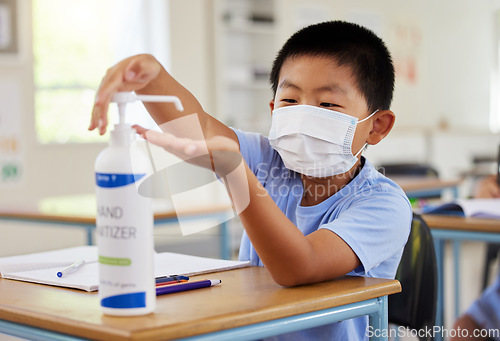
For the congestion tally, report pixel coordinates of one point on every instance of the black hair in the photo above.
(349, 45)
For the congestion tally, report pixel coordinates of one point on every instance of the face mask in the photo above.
(314, 141)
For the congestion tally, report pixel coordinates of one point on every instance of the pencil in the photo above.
(169, 289)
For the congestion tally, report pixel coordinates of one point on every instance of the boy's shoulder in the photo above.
(371, 180)
(257, 152)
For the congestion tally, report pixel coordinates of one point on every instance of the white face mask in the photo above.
(314, 141)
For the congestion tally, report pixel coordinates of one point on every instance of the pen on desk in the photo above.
(169, 289)
(172, 278)
(171, 282)
(73, 267)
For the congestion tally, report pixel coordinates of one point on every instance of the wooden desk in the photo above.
(457, 229)
(79, 211)
(418, 187)
(453, 223)
(247, 305)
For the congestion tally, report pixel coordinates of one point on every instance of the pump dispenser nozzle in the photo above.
(123, 133)
(129, 97)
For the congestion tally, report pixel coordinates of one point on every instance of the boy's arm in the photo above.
(291, 258)
(145, 75)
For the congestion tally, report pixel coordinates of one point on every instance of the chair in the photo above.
(408, 169)
(415, 306)
(413, 170)
(492, 250)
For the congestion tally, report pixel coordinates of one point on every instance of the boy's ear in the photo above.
(271, 105)
(382, 125)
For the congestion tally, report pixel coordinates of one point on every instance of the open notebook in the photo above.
(42, 267)
(477, 208)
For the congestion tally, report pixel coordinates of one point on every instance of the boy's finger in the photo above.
(160, 139)
(181, 147)
(95, 113)
(99, 117)
(155, 137)
(109, 86)
(141, 131)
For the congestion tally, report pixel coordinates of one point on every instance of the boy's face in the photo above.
(319, 81)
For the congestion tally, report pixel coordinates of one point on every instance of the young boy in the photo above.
(317, 210)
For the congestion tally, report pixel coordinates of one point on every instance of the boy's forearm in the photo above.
(291, 258)
(281, 246)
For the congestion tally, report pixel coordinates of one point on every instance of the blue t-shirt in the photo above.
(371, 214)
(485, 311)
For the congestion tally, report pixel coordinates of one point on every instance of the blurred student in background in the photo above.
(482, 320)
(488, 188)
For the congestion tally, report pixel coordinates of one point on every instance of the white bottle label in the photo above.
(125, 242)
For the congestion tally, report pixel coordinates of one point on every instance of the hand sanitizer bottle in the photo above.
(124, 221)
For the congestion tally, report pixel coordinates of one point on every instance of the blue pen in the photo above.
(170, 289)
(172, 278)
(73, 267)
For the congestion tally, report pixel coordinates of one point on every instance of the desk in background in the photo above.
(457, 229)
(79, 211)
(248, 305)
(422, 187)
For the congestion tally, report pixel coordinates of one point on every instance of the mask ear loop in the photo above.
(366, 144)
(362, 148)
(364, 119)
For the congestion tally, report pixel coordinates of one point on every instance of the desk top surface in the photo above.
(81, 209)
(445, 222)
(420, 183)
(246, 296)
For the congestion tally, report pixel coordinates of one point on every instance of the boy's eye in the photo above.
(328, 105)
(289, 100)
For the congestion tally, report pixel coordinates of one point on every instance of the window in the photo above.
(74, 42)
(495, 77)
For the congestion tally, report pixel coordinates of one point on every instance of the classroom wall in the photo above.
(444, 53)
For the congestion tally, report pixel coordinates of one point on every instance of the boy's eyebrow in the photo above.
(333, 88)
(287, 84)
(327, 88)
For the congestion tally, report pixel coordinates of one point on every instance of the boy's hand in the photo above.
(131, 74)
(219, 153)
